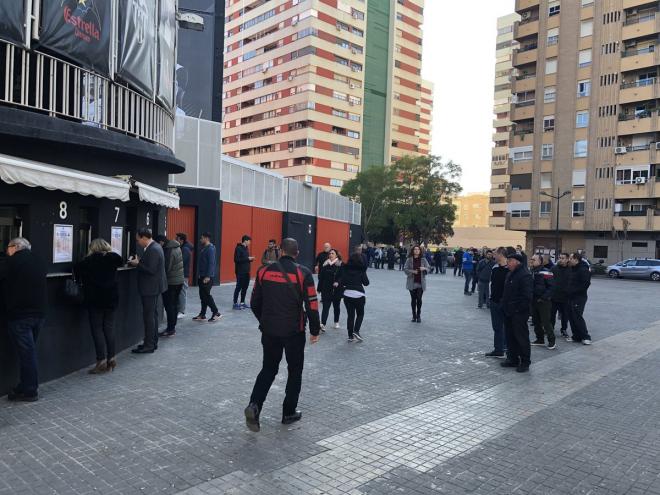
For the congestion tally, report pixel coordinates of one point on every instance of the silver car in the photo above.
(636, 268)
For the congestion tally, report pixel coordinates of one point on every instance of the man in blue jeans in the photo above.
(497, 279)
(468, 270)
(23, 282)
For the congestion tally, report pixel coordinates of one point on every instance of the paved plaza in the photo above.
(414, 409)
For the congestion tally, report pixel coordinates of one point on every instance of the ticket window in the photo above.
(87, 230)
(11, 226)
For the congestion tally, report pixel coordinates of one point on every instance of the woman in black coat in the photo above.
(98, 274)
(329, 287)
(353, 279)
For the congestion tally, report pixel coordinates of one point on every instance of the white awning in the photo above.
(15, 170)
(157, 196)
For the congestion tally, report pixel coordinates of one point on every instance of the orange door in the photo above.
(183, 221)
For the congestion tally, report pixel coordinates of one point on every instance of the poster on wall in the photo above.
(78, 30)
(12, 21)
(117, 239)
(166, 52)
(137, 44)
(62, 243)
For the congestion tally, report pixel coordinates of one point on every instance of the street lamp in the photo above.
(558, 196)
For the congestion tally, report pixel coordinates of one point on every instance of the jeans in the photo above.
(575, 316)
(458, 268)
(355, 310)
(294, 349)
(563, 309)
(468, 274)
(171, 303)
(101, 323)
(242, 284)
(517, 338)
(24, 333)
(497, 321)
(443, 266)
(328, 300)
(206, 298)
(541, 319)
(150, 319)
(402, 262)
(183, 297)
(484, 293)
(416, 302)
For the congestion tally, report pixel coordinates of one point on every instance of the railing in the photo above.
(638, 147)
(637, 51)
(623, 117)
(529, 19)
(528, 48)
(525, 76)
(42, 83)
(639, 83)
(523, 132)
(630, 213)
(642, 17)
(525, 103)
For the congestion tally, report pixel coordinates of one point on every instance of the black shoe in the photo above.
(564, 333)
(466, 293)
(414, 319)
(143, 350)
(419, 320)
(167, 333)
(14, 396)
(495, 354)
(509, 364)
(358, 337)
(287, 419)
(522, 368)
(538, 342)
(252, 417)
(141, 346)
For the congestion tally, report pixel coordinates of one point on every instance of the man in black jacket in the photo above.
(497, 278)
(242, 260)
(186, 252)
(542, 304)
(516, 301)
(283, 306)
(23, 280)
(561, 272)
(578, 284)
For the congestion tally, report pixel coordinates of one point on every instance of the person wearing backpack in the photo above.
(271, 254)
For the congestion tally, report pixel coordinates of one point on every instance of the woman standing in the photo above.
(98, 274)
(354, 278)
(329, 287)
(416, 269)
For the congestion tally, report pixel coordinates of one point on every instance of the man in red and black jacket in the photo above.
(283, 306)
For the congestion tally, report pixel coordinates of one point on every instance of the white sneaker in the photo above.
(336, 325)
(351, 341)
(322, 328)
(586, 341)
(180, 316)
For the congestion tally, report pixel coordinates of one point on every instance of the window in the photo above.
(582, 119)
(546, 180)
(578, 208)
(549, 123)
(579, 178)
(521, 154)
(554, 8)
(519, 210)
(580, 149)
(584, 58)
(547, 152)
(551, 66)
(586, 28)
(584, 88)
(630, 175)
(553, 36)
(586, 2)
(545, 209)
(549, 94)
(336, 182)
(640, 244)
(600, 252)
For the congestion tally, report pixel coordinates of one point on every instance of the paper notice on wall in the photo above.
(62, 243)
(117, 239)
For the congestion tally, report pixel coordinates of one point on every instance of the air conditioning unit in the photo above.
(352, 86)
(620, 150)
(526, 15)
(290, 150)
(291, 77)
(353, 51)
(354, 69)
(640, 180)
(657, 146)
(338, 27)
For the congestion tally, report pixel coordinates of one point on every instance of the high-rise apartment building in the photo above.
(502, 124)
(586, 126)
(471, 210)
(396, 119)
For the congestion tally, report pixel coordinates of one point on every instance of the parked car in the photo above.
(636, 268)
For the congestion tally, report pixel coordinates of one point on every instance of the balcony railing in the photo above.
(639, 83)
(638, 51)
(523, 132)
(525, 103)
(529, 19)
(528, 48)
(523, 77)
(641, 17)
(42, 83)
(645, 114)
(630, 213)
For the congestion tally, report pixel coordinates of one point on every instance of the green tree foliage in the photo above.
(409, 199)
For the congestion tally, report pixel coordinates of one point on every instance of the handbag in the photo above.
(73, 291)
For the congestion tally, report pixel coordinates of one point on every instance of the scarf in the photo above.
(417, 265)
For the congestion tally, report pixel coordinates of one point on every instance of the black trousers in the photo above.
(517, 338)
(458, 268)
(206, 297)
(328, 300)
(150, 319)
(575, 316)
(355, 310)
(402, 262)
(416, 302)
(242, 284)
(294, 350)
(562, 309)
(171, 303)
(102, 325)
(541, 318)
(468, 274)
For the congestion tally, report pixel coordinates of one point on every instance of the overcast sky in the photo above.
(461, 63)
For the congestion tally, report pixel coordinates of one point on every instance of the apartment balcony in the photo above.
(629, 4)
(497, 123)
(523, 110)
(523, 83)
(500, 136)
(526, 27)
(639, 58)
(523, 56)
(638, 123)
(516, 223)
(522, 137)
(634, 220)
(641, 90)
(650, 189)
(522, 5)
(644, 24)
(639, 155)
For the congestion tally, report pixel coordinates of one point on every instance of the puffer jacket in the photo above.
(173, 262)
(543, 283)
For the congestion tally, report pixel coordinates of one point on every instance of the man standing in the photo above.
(578, 284)
(174, 274)
(519, 250)
(281, 292)
(186, 253)
(562, 273)
(271, 254)
(322, 257)
(403, 254)
(242, 260)
(152, 282)
(468, 271)
(23, 283)
(443, 260)
(497, 279)
(206, 271)
(542, 302)
(516, 300)
(458, 262)
(484, 268)
(437, 260)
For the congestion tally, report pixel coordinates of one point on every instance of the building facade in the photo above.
(505, 44)
(471, 210)
(586, 127)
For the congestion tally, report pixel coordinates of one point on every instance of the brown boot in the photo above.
(112, 364)
(101, 367)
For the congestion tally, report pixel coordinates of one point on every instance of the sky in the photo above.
(461, 64)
